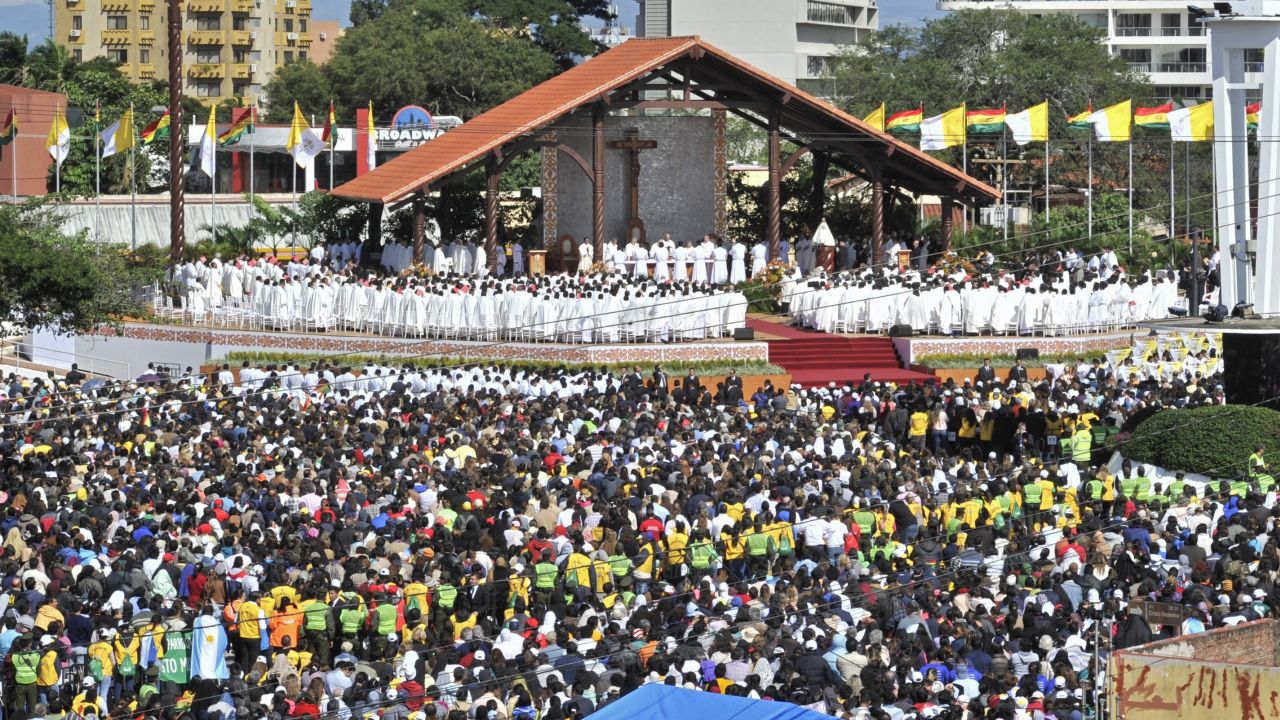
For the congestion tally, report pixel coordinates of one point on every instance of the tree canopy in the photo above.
(987, 58)
(48, 278)
(455, 57)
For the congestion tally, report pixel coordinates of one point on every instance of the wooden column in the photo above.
(374, 235)
(420, 227)
(946, 223)
(492, 177)
(773, 225)
(877, 218)
(597, 179)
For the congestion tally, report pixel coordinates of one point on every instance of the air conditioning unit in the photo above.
(75, 33)
(253, 69)
(291, 37)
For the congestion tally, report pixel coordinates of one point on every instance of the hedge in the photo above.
(1214, 440)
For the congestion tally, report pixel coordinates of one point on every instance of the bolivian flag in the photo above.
(241, 124)
(1253, 115)
(9, 130)
(985, 121)
(907, 121)
(1156, 118)
(1080, 121)
(157, 130)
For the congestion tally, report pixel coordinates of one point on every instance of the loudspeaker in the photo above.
(900, 331)
(1028, 353)
(744, 333)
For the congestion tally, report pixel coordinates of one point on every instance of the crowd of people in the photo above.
(305, 295)
(494, 543)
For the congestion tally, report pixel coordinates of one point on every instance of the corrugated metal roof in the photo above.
(541, 106)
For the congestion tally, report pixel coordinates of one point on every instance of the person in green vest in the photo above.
(1081, 446)
(702, 554)
(318, 626)
(382, 624)
(760, 550)
(25, 659)
(546, 575)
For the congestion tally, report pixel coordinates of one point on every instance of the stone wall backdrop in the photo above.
(677, 179)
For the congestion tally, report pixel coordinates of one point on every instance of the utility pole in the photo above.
(177, 135)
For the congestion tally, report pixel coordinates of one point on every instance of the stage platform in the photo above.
(137, 343)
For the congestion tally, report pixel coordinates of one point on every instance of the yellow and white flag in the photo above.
(118, 137)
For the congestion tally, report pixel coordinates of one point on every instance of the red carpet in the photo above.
(814, 358)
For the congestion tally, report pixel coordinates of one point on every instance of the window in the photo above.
(1133, 25)
(77, 22)
(208, 22)
(288, 56)
(288, 24)
(117, 22)
(1138, 58)
(144, 56)
(208, 89)
(120, 56)
(826, 12)
(208, 55)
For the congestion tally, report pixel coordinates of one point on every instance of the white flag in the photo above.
(209, 147)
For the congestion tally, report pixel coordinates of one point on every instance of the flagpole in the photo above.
(133, 186)
(213, 182)
(97, 169)
(1046, 166)
(1089, 190)
(13, 156)
(253, 118)
(1131, 192)
(1004, 181)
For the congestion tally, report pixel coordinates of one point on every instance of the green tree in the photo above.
(13, 58)
(48, 278)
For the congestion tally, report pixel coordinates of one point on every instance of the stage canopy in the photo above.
(665, 702)
(664, 74)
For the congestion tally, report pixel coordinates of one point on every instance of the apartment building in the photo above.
(230, 47)
(793, 40)
(1157, 37)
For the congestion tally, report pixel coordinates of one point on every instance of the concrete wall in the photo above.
(677, 179)
(1200, 676)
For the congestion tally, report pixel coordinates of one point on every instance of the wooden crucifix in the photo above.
(634, 145)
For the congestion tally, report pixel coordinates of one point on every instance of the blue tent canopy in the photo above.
(664, 702)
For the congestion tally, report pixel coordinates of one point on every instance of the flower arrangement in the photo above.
(417, 271)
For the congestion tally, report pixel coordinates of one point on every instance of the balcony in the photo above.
(241, 37)
(208, 71)
(205, 37)
(117, 37)
(146, 72)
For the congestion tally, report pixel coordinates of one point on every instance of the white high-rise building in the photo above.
(793, 40)
(1156, 37)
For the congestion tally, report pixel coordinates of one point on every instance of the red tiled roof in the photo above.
(540, 106)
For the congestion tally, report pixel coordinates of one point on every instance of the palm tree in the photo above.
(49, 67)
